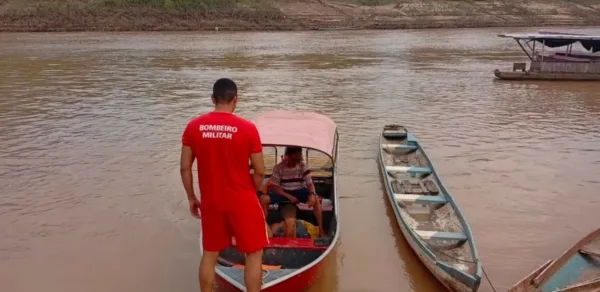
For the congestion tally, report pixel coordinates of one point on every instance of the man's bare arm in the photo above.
(309, 182)
(185, 168)
(258, 165)
(311, 188)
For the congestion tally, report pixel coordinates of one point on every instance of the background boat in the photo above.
(582, 65)
(577, 269)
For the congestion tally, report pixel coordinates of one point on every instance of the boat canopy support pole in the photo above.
(543, 45)
(307, 163)
(529, 46)
(524, 50)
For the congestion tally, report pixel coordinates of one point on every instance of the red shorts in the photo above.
(245, 222)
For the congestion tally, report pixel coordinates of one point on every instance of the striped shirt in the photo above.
(291, 178)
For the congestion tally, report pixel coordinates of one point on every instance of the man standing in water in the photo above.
(222, 143)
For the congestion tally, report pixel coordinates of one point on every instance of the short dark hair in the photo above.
(292, 149)
(224, 90)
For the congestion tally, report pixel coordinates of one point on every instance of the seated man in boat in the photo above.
(291, 181)
(291, 226)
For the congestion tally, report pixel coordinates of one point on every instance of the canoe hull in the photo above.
(545, 76)
(296, 283)
(447, 280)
(401, 158)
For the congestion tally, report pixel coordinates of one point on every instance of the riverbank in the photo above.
(176, 15)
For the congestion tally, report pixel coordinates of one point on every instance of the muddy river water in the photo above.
(90, 127)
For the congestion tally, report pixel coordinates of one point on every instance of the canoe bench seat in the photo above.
(398, 147)
(394, 132)
(419, 199)
(441, 235)
(407, 169)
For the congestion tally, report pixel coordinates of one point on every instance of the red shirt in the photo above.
(222, 144)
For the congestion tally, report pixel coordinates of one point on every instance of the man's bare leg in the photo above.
(264, 203)
(318, 211)
(253, 271)
(289, 227)
(207, 270)
(264, 199)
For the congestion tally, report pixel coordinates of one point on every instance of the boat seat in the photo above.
(441, 235)
(391, 147)
(394, 135)
(326, 206)
(399, 145)
(394, 132)
(407, 169)
(419, 199)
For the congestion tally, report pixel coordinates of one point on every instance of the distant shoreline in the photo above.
(287, 15)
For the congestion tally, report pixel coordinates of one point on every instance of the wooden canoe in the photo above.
(426, 213)
(576, 270)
